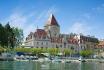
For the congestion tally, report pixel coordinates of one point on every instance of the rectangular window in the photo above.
(37, 43)
(46, 43)
(42, 43)
(61, 46)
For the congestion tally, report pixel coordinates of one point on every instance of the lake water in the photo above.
(26, 65)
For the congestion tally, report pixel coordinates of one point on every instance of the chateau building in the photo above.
(101, 45)
(50, 37)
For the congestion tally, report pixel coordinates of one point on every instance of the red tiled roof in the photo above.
(29, 36)
(40, 33)
(72, 41)
(101, 44)
(52, 21)
(56, 40)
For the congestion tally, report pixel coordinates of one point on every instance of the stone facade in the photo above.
(50, 36)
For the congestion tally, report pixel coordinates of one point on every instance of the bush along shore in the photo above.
(51, 53)
(40, 52)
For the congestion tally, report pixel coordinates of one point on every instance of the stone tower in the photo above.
(52, 27)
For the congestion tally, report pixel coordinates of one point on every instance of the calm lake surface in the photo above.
(26, 65)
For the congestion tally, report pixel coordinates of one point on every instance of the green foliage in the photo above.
(29, 50)
(2, 36)
(37, 50)
(10, 36)
(67, 52)
(2, 49)
(86, 53)
(26, 50)
(18, 33)
(53, 51)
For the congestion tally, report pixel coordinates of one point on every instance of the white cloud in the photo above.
(17, 20)
(21, 20)
(33, 25)
(79, 27)
(28, 22)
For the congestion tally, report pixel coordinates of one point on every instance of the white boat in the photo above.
(56, 59)
(25, 58)
(7, 56)
(81, 59)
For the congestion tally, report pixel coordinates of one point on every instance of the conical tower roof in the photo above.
(52, 21)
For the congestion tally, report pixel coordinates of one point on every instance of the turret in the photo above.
(52, 27)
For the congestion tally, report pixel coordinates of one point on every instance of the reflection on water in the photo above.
(17, 65)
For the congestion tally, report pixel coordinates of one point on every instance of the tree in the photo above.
(86, 53)
(1, 35)
(10, 36)
(8, 31)
(53, 51)
(18, 33)
(67, 52)
(14, 36)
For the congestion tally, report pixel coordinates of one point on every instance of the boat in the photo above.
(25, 58)
(56, 59)
(81, 59)
(6, 57)
(67, 61)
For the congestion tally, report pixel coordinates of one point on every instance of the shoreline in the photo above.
(66, 60)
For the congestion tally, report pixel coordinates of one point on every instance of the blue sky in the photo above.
(78, 16)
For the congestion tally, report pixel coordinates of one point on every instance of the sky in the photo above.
(76, 16)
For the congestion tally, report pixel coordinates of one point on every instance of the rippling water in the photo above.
(26, 65)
